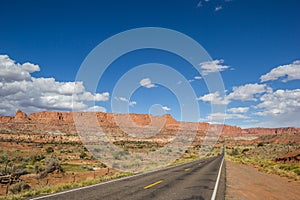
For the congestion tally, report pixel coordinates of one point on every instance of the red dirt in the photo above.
(245, 182)
(290, 157)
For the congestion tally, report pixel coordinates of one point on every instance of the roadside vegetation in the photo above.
(60, 187)
(264, 157)
(28, 168)
(48, 168)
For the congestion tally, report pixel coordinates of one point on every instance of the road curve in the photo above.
(194, 180)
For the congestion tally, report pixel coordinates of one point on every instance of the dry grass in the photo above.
(263, 160)
(57, 188)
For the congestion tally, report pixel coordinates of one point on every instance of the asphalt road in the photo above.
(194, 180)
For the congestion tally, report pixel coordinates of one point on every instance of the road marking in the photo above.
(187, 169)
(213, 197)
(111, 181)
(153, 184)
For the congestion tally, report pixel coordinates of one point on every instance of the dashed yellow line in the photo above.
(187, 169)
(153, 184)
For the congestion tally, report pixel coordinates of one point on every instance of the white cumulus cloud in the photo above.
(11, 71)
(214, 98)
(218, 8)
(288, 72)
(224, 116)
(96, 109)
(20, 90)
(247, 92)
(166, 108)
(123, 99)
(280, 102)
(280, 108)
(146, 82)
(239, 110)
(213, 66)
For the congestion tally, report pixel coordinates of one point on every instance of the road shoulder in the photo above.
(246, 182)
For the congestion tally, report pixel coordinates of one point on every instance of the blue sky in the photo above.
(43, 44)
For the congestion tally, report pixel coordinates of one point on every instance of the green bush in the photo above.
(83, 155)
(297, 171)
(235, 152)
(289, 167)
(37, 157)
(19, 187)
(49, 150)
(4, 158)
(245, 150)
(261, 144)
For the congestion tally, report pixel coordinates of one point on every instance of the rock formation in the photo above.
(20, 117)
(60, 126)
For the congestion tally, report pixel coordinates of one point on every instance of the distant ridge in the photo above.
(108, 119)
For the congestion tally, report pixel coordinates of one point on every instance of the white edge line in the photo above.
(111, 181)
(213, 197)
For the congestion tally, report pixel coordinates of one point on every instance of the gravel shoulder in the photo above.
(246, 182)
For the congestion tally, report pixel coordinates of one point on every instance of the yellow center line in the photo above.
(187, 169)
(153, 184)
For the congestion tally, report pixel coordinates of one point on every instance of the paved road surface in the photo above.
(195, 180)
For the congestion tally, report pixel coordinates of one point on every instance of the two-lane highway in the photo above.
(194, 180)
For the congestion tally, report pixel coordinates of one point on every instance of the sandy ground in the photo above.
(246, 182)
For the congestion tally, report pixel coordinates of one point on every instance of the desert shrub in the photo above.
(102, 165)
(153, 149)
(38, 168)
(19, 171)
(289, 167)
(49, 150)
(261, 144)
(37, 157)
(234, 152)
(83, 155)
(65, 151)
(16, 150)
(118, 155)
(297, 171)
(245, 150)
(19, 187)
(19, 158)
(51, 166)
(88, 168)
(4, 158)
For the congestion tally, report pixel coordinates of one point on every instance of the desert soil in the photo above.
(246, 182)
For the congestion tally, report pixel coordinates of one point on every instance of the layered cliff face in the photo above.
(272, 131)
(48, 119)
(47, 116)
(62, 123)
